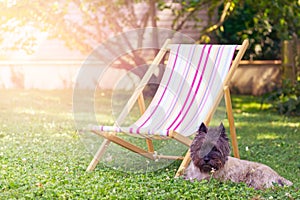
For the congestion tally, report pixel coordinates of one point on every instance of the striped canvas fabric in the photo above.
(192, 81)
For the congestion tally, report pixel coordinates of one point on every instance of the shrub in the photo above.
(286, 100)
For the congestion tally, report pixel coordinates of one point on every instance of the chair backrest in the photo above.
(192, 83)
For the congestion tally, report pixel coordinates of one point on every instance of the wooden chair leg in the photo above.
(184, 164)
(187, 158)
(98, 155)
(231, 122)
(126, 144)
(142, 107)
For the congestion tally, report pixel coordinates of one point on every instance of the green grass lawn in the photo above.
(43, 157)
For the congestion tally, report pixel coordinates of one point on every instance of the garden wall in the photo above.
(251, 77)
(256, 77)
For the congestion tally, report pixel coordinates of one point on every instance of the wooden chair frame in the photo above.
(138, 96)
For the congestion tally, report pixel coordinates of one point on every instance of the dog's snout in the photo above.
(206, 158)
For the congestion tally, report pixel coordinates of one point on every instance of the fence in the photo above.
(291, 60)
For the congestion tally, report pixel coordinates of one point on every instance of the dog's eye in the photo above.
(215, 149)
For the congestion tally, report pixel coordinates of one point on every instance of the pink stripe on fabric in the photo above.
(158, 93)
(194, 80)
(163, 92)
(198, 86)
(175, 100)
(207, 91)
(220, 58)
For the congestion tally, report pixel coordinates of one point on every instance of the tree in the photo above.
(83, 24)
(265, 23)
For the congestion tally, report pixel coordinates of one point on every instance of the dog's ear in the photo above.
(202, 128)
(222, 131)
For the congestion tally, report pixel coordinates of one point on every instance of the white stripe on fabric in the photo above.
(183, 100)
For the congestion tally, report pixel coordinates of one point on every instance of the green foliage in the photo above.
(286, 99)
(188, 11)
(265, 23)
(42, 156)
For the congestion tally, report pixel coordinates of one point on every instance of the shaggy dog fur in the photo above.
(210, 158)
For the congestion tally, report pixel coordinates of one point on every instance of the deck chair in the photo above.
(195, 80)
